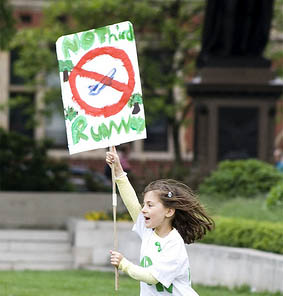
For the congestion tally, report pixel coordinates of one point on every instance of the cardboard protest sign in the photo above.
(101, 87)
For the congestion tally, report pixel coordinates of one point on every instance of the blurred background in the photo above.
(211, 76)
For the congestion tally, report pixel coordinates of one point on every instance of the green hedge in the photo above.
(25, 165)
(265, 236)
(246, 178)
(232, 232)
(275, 196)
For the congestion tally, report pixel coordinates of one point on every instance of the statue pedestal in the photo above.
(235, 75)
(234, 114)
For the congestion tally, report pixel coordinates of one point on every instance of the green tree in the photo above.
(7, 24)
(274, 48)
(275, 53)
(168, 40)
(168, 37)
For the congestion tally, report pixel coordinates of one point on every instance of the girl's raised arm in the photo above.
(126, 190)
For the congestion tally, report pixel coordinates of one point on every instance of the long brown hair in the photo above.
(190, 218)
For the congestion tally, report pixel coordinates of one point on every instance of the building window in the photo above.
(14, 78)
(26, 18)
(55, 126)
(157, 135)
(20, 111)
(156, 62)
(237, 133)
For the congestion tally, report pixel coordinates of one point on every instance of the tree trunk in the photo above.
(178, 94)
(177, 150)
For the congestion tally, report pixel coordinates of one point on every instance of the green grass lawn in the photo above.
(252, 208)
(88, 283)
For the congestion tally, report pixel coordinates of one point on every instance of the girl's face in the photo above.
(154, 212)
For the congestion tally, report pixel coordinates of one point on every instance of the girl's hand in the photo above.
(116, 258)
(112, 158)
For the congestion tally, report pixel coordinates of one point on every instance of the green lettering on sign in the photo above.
(68, 44)
(78, 126)
(137, 124)
(130, 33)
(87, 40)
(101, 33)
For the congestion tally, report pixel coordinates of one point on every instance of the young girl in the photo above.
(169, 217)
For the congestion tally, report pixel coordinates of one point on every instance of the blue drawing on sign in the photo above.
(105, 81)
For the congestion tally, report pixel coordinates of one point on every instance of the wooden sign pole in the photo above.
(114, 203)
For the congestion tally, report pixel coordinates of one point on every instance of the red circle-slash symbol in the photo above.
(125, 88)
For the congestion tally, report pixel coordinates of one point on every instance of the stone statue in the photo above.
(235, 29)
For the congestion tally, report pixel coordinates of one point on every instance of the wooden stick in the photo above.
(114, 203)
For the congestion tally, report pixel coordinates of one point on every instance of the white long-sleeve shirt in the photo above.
(164, 261)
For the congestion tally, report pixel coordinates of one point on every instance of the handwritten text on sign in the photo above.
(101, 87)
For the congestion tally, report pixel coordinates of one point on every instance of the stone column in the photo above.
(4, 89)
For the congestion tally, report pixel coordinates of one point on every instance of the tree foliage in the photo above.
(7, 24)
(25, 165)
(168, 39)
(274, 48)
